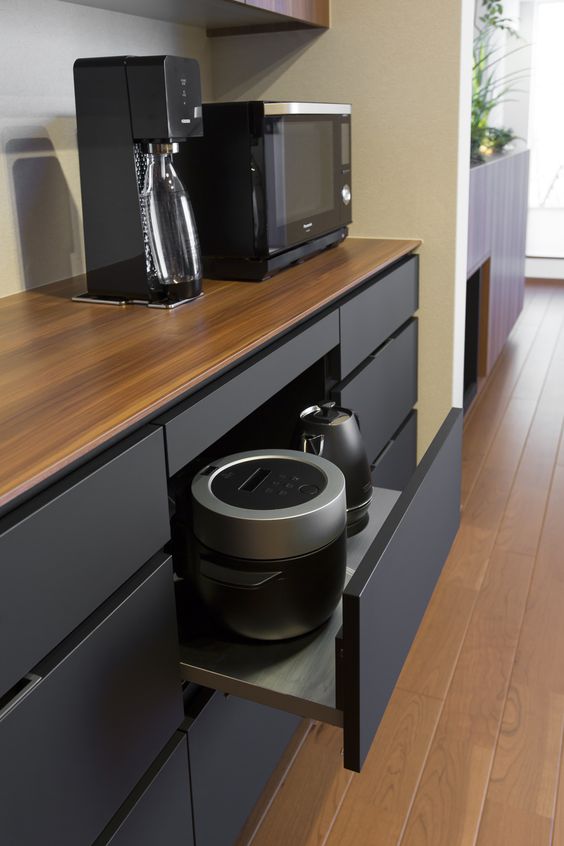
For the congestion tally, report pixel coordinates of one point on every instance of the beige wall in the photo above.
(397, 62)
(40, 223)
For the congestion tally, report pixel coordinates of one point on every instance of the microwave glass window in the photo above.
(304, 171)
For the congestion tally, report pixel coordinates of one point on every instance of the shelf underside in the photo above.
(296, 675)
(209, 14)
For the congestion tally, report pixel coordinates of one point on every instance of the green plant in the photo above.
(489, 89)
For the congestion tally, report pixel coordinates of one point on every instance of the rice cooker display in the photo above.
(269, 483)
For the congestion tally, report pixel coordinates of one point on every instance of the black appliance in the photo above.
(270, 184)
(131, 113)
(269, 545)
(334, 433)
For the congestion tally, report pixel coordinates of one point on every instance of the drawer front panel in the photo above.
(386, 598)
(383, 392)
(108, 700)
(372, 316)
(67, 550)
(193, 427)
(159, 812)
(234, 746)
(395, 466)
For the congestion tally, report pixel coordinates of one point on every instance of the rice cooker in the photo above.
(270, 541)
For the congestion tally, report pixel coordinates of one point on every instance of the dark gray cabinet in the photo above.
(159, 809)
(369, 318)
(386, 598)
(90, 688)
(396, 464)
(192, 426)
(383, 390)
(107, 700)
(232, 745)
(68, 549)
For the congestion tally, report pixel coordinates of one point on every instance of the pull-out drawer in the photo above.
(68, 549)
(370, 317)
(192, 426)
(96, 713)
(344, 672)
(234, 745)
(158, 810)
(383, 391)
(396, 463)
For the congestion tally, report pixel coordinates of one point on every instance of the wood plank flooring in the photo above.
(469, 752)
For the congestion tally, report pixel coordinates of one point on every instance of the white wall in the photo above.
(40, 223)
(406, 70)
(514, 55)
(516, 111)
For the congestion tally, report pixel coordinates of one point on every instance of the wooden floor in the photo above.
(470, 749)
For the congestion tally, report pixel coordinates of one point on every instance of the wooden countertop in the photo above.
(75, 375)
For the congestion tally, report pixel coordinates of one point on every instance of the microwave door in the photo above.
(303, 177)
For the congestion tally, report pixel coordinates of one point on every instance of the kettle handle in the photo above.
(312, 443)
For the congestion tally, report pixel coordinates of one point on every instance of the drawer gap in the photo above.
(297, 675)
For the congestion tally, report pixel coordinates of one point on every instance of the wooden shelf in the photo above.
(225, 17)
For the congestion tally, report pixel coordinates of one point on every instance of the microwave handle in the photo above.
(259, 212)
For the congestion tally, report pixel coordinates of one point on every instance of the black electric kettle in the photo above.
(334, 433)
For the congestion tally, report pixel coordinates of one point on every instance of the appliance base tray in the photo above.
(258, 270)
(122, 301)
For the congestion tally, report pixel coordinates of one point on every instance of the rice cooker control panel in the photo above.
(267, 483)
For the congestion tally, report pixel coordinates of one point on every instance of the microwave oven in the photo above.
(270, 184)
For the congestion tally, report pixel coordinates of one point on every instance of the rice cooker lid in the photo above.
(269, 505)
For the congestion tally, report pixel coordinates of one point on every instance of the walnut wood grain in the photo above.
(527, 764)
(432, 658)
(378, 799)
(522, 523)
(310, 796)
(502, 824)
(449, 799)
(286, 15)
(314, 12)
(75, 375)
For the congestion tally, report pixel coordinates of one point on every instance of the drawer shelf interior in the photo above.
(297, 675)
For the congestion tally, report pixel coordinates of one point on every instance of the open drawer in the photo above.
(344, 672)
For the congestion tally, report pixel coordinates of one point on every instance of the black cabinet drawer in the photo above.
(370, 317)
(192, 426)
(108, 700)
(158, 811)
(344, 672)
(396, 463)
(234, 746)
(69, 548)
(384, 390)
